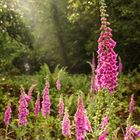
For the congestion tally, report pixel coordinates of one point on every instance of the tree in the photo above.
(14, 35)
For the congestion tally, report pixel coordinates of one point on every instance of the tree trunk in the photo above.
(59, 35)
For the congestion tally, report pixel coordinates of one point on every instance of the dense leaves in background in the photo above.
(125, 22)
(14, 36)
(39, 37)
(124, 16)
(65, 33)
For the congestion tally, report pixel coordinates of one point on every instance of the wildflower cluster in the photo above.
(82, 123)
(105, 78)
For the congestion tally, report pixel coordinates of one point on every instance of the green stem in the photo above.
(87, 138)
(6, 131)
(10, 132)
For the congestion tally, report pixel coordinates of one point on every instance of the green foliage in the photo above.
(124, 18)
(63, 32)
(97, 106)
(12, 23)
(14, 37)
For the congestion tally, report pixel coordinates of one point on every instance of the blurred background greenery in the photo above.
(41, 39)
(64, 32)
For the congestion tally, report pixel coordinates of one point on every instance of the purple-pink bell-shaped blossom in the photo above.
(37, 106)
(58, 85)
(66, 125)
(131, 106)
(92, 84)
(132, 133)
(105, 122)
(27, 97)
(103, 136)
(61, 107)
(106, 71)
(23, 111)
(104, 128)
(46, 104)
(7, 115)
(88, 124)
(30, 92)
(120, 65)
(81, 121)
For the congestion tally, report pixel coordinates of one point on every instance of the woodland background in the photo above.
(65, 32)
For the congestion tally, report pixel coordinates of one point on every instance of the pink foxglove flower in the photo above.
(81, 121)
(37, 106)
(132, 133)
(23, 111)
(27, 97)
(103, 136)
(7, 115)
(131, 106)
(92, 84)
(104, 127)
(105, 122)
(31, 91)
(120, 65)
(106, 71)
(58, 85)
(61, 107)
(88, 124)
(66, 125)
(46, 104)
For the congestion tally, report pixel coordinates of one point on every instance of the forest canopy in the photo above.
(64, 32)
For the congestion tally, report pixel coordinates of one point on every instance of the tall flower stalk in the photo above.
(120, 65)
(82, 123)
(37, 106)
(58, 85)
(7, 115)
(61, 107)
(132, 131)
(23, 111)
(46, 104)
(30, 92)
(131, 109)
(106, 71)
(92, 84)
(131, 106)
(104, 128)
(27, 97)
(66, 125)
